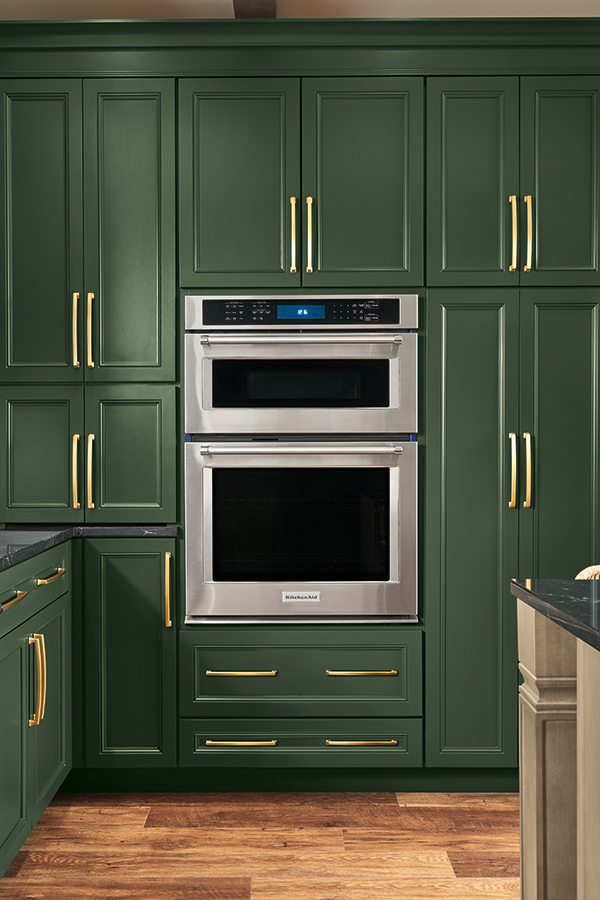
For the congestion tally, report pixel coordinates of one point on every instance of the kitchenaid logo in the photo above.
(304, 596)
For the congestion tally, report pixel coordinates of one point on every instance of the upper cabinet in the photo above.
(287, 182)
(88, 235)
(513, 181)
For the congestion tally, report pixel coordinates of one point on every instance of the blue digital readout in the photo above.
(301, 312)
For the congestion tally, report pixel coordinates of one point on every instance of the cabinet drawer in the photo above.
(33, 584)
(300, 742)
(300, 679)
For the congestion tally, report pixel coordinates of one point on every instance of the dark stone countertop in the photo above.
(21, 542)
(574, 605)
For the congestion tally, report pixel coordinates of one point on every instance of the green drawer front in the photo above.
(24, 577)
(305, 680)
(300, 742)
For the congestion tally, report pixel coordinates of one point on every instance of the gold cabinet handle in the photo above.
(16, 599)
(527, 500)
(91, 439)
(90, 361)
(40, 657)
(309, 234)
(75, 455)
(513, 470)
(74, 332)
(293, 260)
(513, 202)
(527, 268)
(241, 743)
(361, 743)
(168, 622)
(242, 674)
(52, 578)
(360, 672)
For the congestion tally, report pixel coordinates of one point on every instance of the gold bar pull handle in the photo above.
(37, 716)
(309, 235)
(20, 595)
(168, 622)
(361, 672)
(44, 676)
(362, 743)
(75, 474)
(527, 268)
(59, 574)
(270, 674)
(513, 202)
(241, 743)
(293, 260)
(527, 500)
(74, 332)
(90, 361)
(513, 470)
(91, 439)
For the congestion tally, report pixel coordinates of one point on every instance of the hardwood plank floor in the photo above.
(271, 846)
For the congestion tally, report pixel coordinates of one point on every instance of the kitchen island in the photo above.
(559, 737)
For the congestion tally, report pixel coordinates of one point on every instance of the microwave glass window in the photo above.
(289, 383)
(301, 524)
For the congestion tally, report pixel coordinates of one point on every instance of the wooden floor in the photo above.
(301, 846)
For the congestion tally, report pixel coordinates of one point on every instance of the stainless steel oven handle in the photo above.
(207, 450)
(300, 339)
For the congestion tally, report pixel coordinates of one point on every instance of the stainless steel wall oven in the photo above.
(300, 458)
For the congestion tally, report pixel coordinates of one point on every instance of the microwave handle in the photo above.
(300, 339)
(296, 450)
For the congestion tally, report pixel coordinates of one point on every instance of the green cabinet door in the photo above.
(41, 435)
(41, 263)
(239, 166)
(129, 229)
(560, 344)
(14, 704)
(560, 171)
(472, 171)
(362, 147)
(49, 752)
(130, 651)
(471, 533)
(130, 453)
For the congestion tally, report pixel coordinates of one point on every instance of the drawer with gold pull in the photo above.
(28, 586)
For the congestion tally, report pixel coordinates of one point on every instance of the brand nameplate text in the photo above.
(301, 596)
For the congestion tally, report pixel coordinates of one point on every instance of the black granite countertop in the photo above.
(21, 542)
(574, 605)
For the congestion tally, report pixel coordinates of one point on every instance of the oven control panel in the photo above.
(294, 312)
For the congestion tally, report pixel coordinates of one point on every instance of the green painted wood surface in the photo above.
(41, 262)
(14, 825)
(362, 163)
(471, 535)
(131, 694)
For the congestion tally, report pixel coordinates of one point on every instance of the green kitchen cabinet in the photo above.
(88, 248)
(265, 203)
(99, 454)
(130, 651)
(513, 181)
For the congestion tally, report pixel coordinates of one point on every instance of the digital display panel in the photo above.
(301, 311)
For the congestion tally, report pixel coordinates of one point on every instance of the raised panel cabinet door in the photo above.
(560, 344)
(129, 219)
(131, 678)
(471, 536)
(130, 453)
(560, 171)
(362, 168)
(49, 742)
(472, 172)
(14, 712)
(40, 231)
(239, 168)
(41, 445)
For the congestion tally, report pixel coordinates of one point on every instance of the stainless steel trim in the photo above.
(328, 339)
(294, 449)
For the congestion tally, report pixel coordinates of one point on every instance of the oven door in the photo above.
(301, 383)
(282, 530)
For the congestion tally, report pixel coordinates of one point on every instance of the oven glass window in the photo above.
(297, 383)
(301, 524)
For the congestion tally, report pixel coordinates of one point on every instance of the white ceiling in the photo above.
(292, 9)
